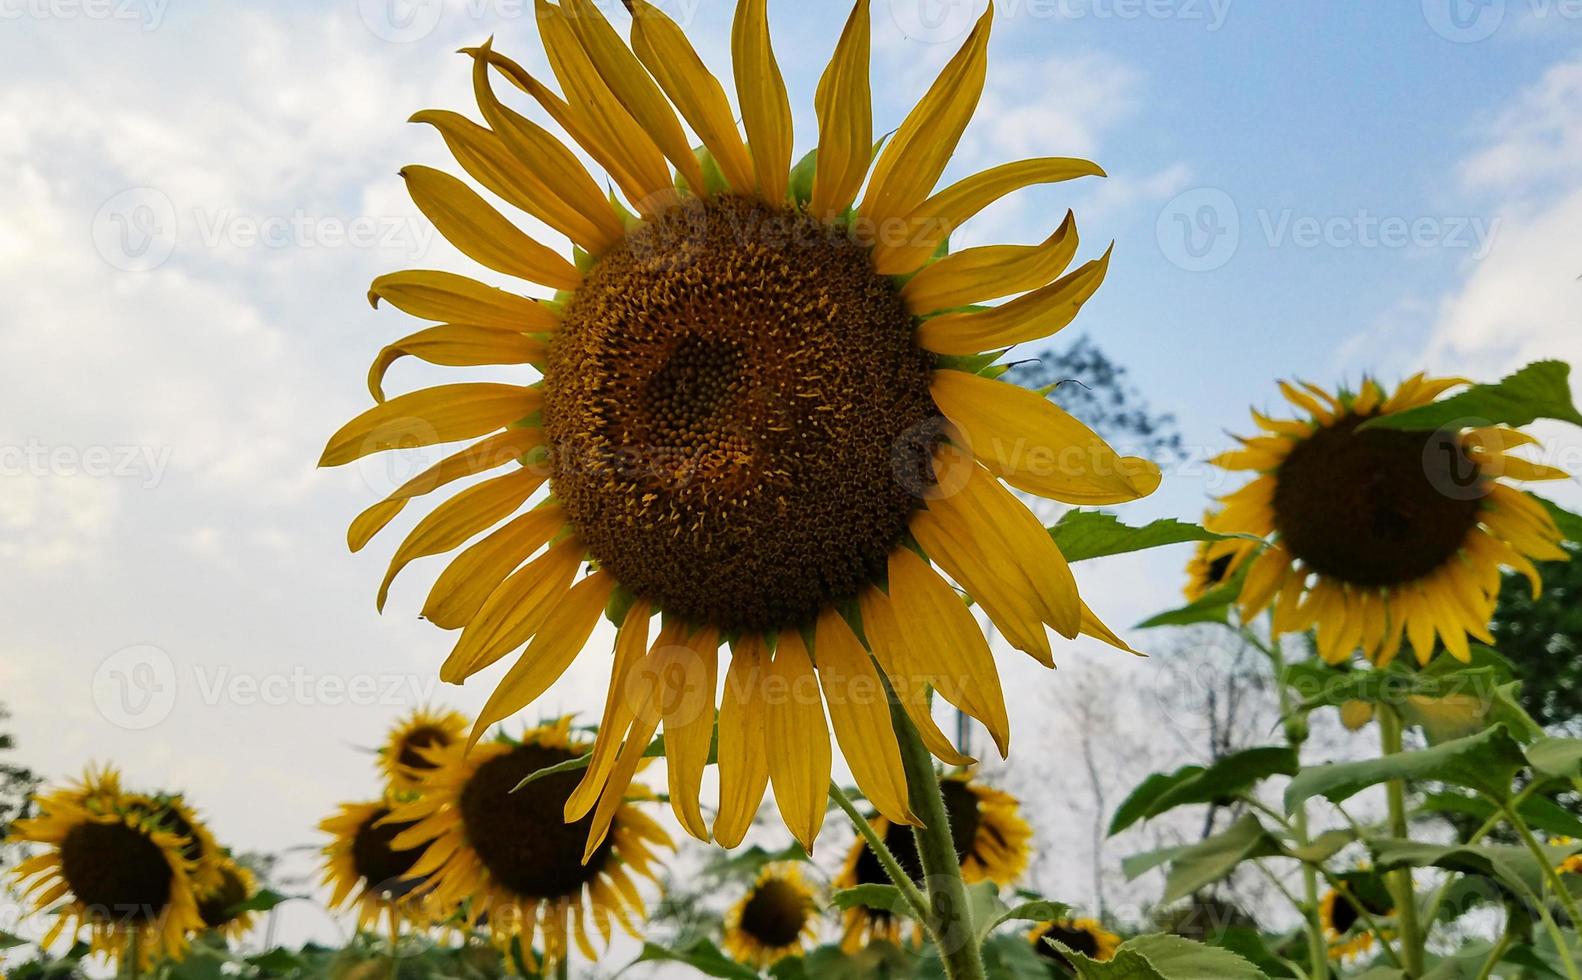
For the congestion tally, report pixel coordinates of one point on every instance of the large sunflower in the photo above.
(761, 410)
(1382, 535)
(508, 858)
(414, 741)
(108, 867)
(1085, 936)
(777, 918)
(991, 838)
(366, 871)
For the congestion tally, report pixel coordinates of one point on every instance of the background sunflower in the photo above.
(412, 743)
(777, 917)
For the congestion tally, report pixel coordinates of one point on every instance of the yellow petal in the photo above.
(946, 644)
(482, 233)
(798, 741)
(1031, 317)
(914, 158)
(889, 647)
(644, 693)
(455, 345)
(859, 710)
(631, 646)
(445, 297)
(766, 111)
(651, 188)
(474, 509)
(1516, 468)
(980, 274)
(1036, 446)
(1007, 599)
(845, 120)
(1094, 627)
(552, 650)
(447, 413)
(497, 450)
(665, 51)
(903, 245)
(461, 589)
(491, 162)
(626, 78)
(744, 763)
(687, 706)
(514, 611)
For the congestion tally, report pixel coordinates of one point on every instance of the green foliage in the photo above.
(1084, 534)
(1541, 390)
(1159, 957)
(703, 956)
(1485, 762)
(1223, 781)
(1195, 866)
(1542, 640)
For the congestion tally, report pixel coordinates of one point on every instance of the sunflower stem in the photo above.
(1390, 740)
(1551, 873)
(903, 882)
(950, 914)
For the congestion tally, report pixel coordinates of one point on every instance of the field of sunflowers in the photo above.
(755, 508)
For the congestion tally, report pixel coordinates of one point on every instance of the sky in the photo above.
(196, 196)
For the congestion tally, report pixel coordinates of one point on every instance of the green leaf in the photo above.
(1188, 785)
(885, 897)
(1192, 866)
(1512, 867)
(1085, 534)
(1556, 758)
(8, 941)
(1036, 911)
(702, 956)
(1160, 957)
(1211, 607)
(1486, 762)
(1570, 524)
(1541, 390)
(261, 901)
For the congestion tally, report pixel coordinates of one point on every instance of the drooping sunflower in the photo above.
(110, 868)
(1085, 936)
(777, 918)
(171, 812)
(367, 871)
(220, 907)
(1213, 563)
(508, 858)
(990, 835)
(1340, 918)
(412, 743)
(762, 411)
(1379, 535)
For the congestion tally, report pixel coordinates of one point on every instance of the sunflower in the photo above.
(111, 868)
(1382, 535)
(765, 410)
(366, 870)
(509, 858)
(1213, 563)
(413, 742)
(171, 812)
(219, 908)
(777, 918)
(1339, 916)
(991, 838)
(1085, 936)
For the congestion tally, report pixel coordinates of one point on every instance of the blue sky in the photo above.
(160, 412)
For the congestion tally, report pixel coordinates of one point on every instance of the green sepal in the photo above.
(800, 185)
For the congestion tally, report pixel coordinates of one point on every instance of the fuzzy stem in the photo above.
(876, 844)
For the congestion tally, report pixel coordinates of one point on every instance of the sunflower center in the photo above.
(737, 410)
(215, 908)
(522, 837)
(1342, 916)
(1217, 570)
(423, 737)
(775, 914)
(378, 863)
(118, 872)
(1376, 507)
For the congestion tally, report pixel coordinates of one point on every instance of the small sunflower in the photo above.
(171, 812)
(219, 907)
(413, 743)
(110, 868)
(1085, 936)
(366, 870)
(1214, 562)
(777, 918)
(1378, 535)
(1340, 919)
(991, 838)
(762, 408)
(509, 858)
